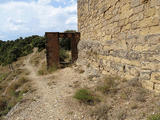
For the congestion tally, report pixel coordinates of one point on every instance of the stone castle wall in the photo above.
(121, 37)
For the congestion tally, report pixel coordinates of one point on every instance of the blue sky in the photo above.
(21, 18)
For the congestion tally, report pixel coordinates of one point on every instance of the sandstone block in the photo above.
(153, 3)
(145, 22)
(157, 2)
(153, 39)
(136, 17)
(145, 74)
(133, 71)
(150, 12)
(144, 31)
(108, 37)
(126, 13)
(155, 76)
(121, 23)
(127, 27)
(148, 84)
(135, 3)
(157, 88)
(134, 25)
(138, 9)
(154, 30)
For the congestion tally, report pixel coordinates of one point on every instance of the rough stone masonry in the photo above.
(121, 37)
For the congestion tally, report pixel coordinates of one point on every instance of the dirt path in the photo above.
(50, 100)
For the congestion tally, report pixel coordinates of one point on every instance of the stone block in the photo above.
(145, 75)
(154, 30)
(121, 23)
(132, 70)
(126, 13)
(127, 27)
(134, 25)
(108, 37)
(157, 87)
(153, 39)
(138, 9)
(141, 48)
(135, 3)
(145, 22)
(150, 12)
(155, 76)
(147, 84)
(144, 31)
(133, 55)
(153, 3)
(157, 2)
(136, 17)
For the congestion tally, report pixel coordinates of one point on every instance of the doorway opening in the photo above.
(61, 48)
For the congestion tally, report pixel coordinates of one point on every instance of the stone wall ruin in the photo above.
(121, 37)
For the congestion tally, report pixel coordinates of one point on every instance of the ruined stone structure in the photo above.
(52, 47)
(121, 37)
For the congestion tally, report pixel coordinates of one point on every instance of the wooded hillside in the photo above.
(10, 51)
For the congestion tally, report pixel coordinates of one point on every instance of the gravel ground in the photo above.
(52, 97)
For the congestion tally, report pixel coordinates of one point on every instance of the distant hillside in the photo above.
(10, 51)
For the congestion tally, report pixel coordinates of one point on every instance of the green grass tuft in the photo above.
(154, 117)
(85, 96)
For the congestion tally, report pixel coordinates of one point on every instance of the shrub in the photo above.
(63, 55)
(85, 96)
(65, 43)
(3, 76)
(3, 106)
(154, 117)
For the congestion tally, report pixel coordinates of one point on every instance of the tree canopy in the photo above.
(10, 51)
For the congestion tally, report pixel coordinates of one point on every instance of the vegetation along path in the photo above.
(49, 101)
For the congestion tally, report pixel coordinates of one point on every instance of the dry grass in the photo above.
(13, 85)
(44, 71)
(123, 99)
(39, 56)
(109, 85)
(14, 93)
(100, 112)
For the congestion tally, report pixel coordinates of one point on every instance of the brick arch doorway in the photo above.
(53, 47)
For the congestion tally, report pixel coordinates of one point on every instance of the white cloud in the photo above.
(71, 20)
(25, 18)
(44, 2)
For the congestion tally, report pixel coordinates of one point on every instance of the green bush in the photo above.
(3, 76)
(85, 96)
(154, 117)
(65, 43)
(63, 55)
